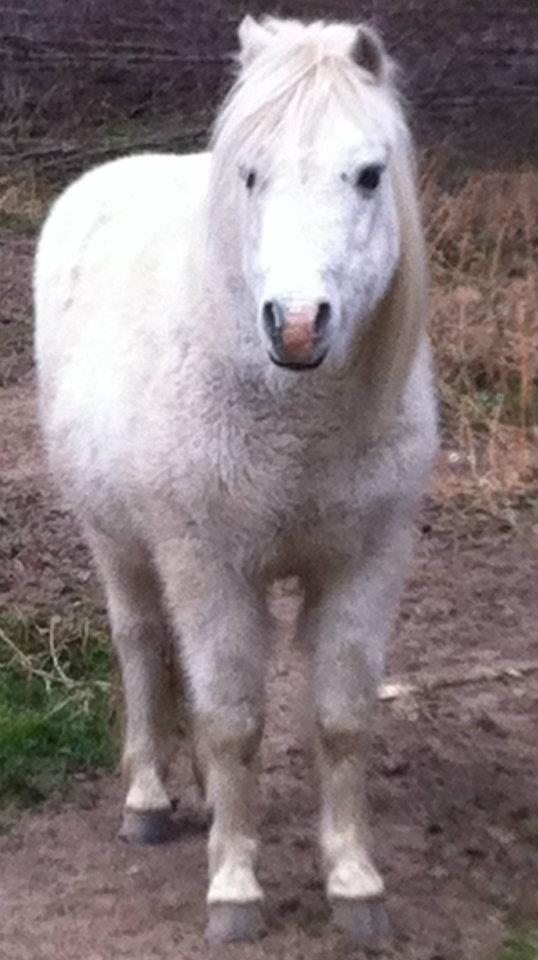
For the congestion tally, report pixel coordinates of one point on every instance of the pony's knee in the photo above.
(343, 721)
(135, 623)
(234, 736)
(341, 737)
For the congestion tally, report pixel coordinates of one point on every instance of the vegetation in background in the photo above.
(482, 233)
(23, 202)
(520, 946)
(67, 67)
(57, 708)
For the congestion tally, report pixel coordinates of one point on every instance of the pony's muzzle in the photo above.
(297, 334)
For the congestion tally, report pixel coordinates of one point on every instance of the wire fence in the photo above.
(471, 70)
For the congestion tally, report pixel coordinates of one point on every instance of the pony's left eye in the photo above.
(369, 177)
(250, 179)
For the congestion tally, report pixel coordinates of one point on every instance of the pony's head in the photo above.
(313, 177)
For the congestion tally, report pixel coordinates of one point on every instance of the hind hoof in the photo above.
(148, 826)
(365, 921)
(234, 922)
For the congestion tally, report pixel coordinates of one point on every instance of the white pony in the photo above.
(235, 385)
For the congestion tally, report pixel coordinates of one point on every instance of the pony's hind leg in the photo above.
(223, 630)
(140, 637)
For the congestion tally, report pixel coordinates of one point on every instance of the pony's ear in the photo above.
(253, 38)
(368, 52)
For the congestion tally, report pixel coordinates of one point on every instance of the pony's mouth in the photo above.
(299, 366)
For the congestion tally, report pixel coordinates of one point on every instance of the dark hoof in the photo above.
(148, 826)
(365, 921)
(233, 922)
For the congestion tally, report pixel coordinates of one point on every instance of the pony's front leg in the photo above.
(349, 622)
(223, 630)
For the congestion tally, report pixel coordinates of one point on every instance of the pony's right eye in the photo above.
(250, 179)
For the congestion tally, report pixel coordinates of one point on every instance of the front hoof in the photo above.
(365, 921)
(234, 922)
(147, 826)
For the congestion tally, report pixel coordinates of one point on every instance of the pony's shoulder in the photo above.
(131, 194)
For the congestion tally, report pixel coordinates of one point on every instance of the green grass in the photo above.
(520, 946)
(56, 704)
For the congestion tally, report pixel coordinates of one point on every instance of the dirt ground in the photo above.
(453, 785)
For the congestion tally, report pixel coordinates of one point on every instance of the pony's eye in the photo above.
(250, 179)
(369, 177)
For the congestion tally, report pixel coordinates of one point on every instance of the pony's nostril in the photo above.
(268, 317)
(273, 321)
(323, 316)
(273, 318)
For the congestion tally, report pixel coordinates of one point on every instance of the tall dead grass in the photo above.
(482, 236)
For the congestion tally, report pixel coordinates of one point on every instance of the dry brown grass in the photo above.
(483, 241)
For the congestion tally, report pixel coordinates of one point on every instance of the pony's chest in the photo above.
(284, 484)
(238, 471)
(274, 482)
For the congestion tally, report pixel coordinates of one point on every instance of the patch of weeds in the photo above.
(180, 132)
(57, 709)
(520, 945)
(529, 829)
(16, 223)
(23, 202)
(16, 353)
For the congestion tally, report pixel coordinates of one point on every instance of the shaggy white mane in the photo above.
(292, 74)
